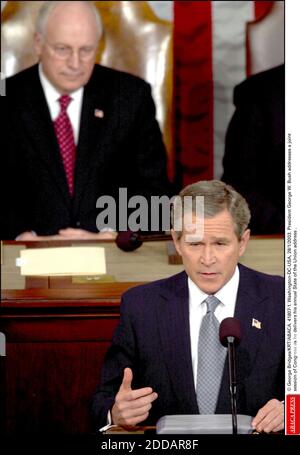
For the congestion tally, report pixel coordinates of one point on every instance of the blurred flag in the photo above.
(217, 44)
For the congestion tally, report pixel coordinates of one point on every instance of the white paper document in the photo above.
(70, 261)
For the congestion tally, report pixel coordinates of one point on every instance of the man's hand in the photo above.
(131, 406)
(29, 236)
(68, 234)
(270, 418)
(81, 234)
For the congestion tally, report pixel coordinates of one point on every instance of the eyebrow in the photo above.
(60, 43)
(220, 239)
(214, 239)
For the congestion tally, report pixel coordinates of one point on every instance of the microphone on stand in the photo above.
(230, 337)
(130, 241)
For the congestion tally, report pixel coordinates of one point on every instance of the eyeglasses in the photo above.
(64, 52)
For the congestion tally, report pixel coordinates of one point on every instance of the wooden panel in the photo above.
(53, 366)
(60, 330)
(265, 255)
(49, 386)
(105, 292)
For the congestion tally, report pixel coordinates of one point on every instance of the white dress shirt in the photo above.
(74, 108)
(197, 309)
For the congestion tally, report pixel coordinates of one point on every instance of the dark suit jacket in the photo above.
(153, 339)
(254, 149)
(123, 149)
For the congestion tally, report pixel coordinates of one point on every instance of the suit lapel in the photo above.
(249, 305)
(38, 123)
(174, 330)
(91, 138)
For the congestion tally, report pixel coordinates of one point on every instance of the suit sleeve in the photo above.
(121, 354)
(14, 186)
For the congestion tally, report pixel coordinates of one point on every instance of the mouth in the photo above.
(209, 275)
(72, 76)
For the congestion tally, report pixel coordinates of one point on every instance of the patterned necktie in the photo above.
(65, 138)
(211, 357)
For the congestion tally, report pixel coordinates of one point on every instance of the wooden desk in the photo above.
(55, 349)
(139, 429)
(57, 336)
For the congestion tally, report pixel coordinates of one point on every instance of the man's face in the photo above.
(68, 47)
(211, 262)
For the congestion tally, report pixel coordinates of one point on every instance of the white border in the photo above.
(292, 258)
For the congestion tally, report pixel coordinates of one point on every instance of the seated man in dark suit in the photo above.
(156, 363)
(254, 149)
(74, 131)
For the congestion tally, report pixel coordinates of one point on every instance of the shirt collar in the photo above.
(51, 93)
(227, 294)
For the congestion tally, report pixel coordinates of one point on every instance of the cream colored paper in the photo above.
(68, 261)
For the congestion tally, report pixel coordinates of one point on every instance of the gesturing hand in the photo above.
(131, 406)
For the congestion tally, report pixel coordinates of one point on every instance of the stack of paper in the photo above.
(88, 260)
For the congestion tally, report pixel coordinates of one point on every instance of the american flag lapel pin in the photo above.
(98, 113)
(256, 323)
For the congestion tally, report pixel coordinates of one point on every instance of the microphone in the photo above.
(130, 241)
(230, 331)
(230, 336)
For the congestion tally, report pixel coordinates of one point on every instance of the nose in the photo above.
(74, 60)
(207, 257)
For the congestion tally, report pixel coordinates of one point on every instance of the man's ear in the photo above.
(38, 43)
(244, 242)
(176, 241)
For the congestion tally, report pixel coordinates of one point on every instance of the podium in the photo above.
(58, 329)
(203, 424)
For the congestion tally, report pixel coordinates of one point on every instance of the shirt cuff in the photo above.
(109, 423)
(32, 232)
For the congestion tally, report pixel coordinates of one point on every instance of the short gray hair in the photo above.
(218, 196)
(48, 7)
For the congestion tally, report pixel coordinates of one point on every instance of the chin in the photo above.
(72, 83)
(208, 289)
(70, 88)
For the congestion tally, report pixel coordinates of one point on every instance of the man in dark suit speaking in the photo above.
(74, 131)
(157, 364)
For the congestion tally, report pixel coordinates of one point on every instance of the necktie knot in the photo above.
(211, 302)
(64, 102)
